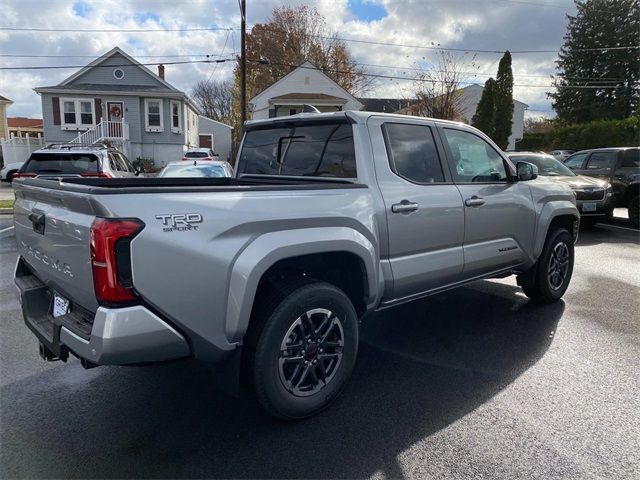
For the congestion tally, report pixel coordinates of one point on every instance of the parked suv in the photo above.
(9, 170)
(620, 166)
(77, 161)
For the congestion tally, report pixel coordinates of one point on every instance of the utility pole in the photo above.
(243, 63)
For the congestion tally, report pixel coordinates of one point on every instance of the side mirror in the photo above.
(526, 171)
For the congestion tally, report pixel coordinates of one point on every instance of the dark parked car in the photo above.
(620, 166)
(594, 196)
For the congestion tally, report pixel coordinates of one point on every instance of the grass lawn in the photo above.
(6, 203)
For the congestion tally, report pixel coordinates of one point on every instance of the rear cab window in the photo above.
(196, 154)
(602, 160)
(305, 149)
(42, 163)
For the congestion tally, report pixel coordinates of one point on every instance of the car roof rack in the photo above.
(69, 146)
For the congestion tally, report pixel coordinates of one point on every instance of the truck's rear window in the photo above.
(305, 150)
(69, 163)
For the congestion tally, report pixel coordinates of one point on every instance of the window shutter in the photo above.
(55, 101)
(98, 103)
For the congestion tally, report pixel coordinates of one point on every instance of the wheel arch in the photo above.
(562, 214)
(327, 253)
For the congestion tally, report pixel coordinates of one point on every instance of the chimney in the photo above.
(161, 71)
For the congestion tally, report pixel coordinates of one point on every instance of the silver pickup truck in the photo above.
(328, 219)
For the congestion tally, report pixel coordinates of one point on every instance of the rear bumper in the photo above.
(113, 336)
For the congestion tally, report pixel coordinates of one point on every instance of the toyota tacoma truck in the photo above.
(328, 219)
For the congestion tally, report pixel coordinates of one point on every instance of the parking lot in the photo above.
(471, 383)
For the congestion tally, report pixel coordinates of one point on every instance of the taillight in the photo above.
(96, 174)
(111, 259)
(184, 158)
(23, 175)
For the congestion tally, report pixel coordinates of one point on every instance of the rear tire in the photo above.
(549, 278)
(634, 211)
(303, 349)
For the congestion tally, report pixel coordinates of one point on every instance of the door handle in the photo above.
(405, 206)
(474, 201)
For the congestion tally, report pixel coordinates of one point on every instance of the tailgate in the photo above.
(52, 229)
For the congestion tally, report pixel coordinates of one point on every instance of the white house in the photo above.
(470, 96)
(303, 85)
(215, 135)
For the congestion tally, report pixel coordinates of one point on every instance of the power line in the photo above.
(51, 67)
(456, 49)
(418, 79)
(132, 30)
(183, 55)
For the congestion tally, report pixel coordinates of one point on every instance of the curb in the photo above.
(6, 211)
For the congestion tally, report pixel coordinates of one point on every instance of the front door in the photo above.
(600, 164)
(115, 115)
(423, 207)
(499, 215)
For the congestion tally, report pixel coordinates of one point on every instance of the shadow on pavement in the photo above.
(421, 367)
(601, 233)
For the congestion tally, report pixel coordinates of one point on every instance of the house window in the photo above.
(153, 115)
(118, 73)
(77, 113)
(176, 117)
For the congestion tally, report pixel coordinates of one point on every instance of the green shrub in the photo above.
(596, 134)
(145, 164)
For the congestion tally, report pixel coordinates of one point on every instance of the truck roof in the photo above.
(354, 116)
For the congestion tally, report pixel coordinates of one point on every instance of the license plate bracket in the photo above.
(60, 305)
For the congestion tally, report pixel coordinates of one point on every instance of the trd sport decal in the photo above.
(179, 222)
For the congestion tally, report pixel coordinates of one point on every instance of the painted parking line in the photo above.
(618, 226)
(6, 229)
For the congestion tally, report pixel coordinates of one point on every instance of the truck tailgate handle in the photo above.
(405, 206)
(38, 221)
(474, 201)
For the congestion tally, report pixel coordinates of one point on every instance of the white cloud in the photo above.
(478, 24)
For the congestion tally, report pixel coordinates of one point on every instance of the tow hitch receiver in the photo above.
(48, 356)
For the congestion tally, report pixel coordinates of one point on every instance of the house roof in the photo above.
(100, 87)
(24, 122)
(307, 66)
(309, 96)
(385, 105)
(109, 54)
(5, 100)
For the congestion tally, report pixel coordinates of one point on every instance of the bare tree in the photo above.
(214, 98)
(437, 88)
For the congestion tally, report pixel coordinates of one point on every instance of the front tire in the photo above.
(549, 278)
(304, 350)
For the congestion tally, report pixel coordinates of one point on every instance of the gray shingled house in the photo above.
(117, 99)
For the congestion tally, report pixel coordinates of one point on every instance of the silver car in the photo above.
(56, 160)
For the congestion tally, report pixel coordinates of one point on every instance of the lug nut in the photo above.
(315, 361)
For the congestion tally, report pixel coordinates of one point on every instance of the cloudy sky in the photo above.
(398, 27)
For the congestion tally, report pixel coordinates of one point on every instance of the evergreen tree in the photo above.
(503, 102)
(483, 118)
(599, 24)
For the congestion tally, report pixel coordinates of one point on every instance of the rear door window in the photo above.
(412, 152)
(602, 160)
(65, 163)
(631, 158)
(300, 150)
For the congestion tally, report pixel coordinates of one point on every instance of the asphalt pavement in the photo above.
(471, 383)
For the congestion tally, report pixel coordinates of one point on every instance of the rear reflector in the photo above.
(110, 240)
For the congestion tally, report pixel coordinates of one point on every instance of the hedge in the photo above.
(596, 134)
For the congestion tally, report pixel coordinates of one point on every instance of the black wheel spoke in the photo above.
(311, 352)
